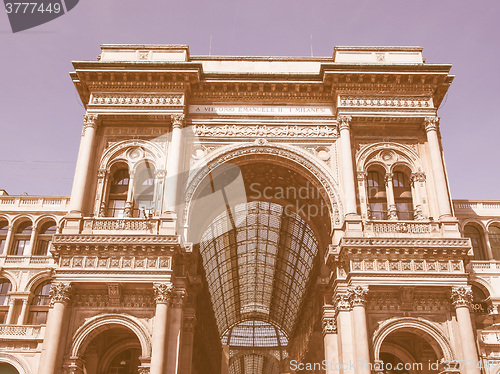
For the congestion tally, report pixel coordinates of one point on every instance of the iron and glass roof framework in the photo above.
(258, 258)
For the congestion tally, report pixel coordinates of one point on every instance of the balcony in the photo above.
(22, 261)
(21, 332)
(33, 203)
(111, 225)
(477, 207)
(387, 228)
(484, 267)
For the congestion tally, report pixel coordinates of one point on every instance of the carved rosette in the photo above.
(461, 296)
(431, 123)
(344, 122)
(189, 323)
(177, 120)
(358, 295)
(342, 302)
(162, 292)
(60, 293)
(178, 298)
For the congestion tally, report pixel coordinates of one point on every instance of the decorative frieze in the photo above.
(60, 292)
(267, 131)
(135, 100)
(115, 261)
(386, 102)
(113, 224)
(406, 265)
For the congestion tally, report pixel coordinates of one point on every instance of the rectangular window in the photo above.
(405, 211)
(42, 248)
(37, 317)
(378, 210)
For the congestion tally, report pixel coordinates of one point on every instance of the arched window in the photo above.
(40, 304)
(144, 186)
(494, 233)
(118, 191)
(476, 238)
(45, 238)
(5, 287)
(4, 230)
(22, 238)
(377, 196)
(402, 195)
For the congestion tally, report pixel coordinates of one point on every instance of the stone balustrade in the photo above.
(21, 332)
(400, 228)
(120, 225)
(34, 203)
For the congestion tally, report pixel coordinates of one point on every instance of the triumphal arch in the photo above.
(247, 215)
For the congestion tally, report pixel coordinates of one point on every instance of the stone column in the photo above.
(83, 163)
(28, 251)
(415, 179)
(24, 309)
(392, 212)
(187, 343)
(175, 331)
(53, 343)
(163, 293)
(10, 312)
(174, 162)
(344, 330)
(347, 165)
(364, 199)
(330, 339)
(357, 296)
(102, 193)
(462, 299)
(129, 204)
(443, 198)
(8, 241)
(489, 251)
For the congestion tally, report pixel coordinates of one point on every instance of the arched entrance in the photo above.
(7, 368)
(411, 346)
(259, 250)
(110, 344)
(113, 351)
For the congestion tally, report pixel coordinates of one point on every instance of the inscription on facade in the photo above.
(262, 110)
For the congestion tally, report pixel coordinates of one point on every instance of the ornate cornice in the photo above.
(60, 293)
(149, 100)
(431, 123)
(357, 295)
(162, 292)
(344, 122)
(386, 102)
(461, 296)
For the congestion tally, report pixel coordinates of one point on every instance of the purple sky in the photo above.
(41, 115)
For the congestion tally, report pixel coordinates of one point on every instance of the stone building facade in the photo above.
(253, 215)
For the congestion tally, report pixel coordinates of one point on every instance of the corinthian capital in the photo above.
(178, 298)
(90, 120)
(177, 120)
(162, 292)
(357, 295)
(431, 123)
(461, 296)
(342, 302)
(344, 122)
(60, 293)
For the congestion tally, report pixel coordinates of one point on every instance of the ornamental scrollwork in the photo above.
(342, 302)
(162, 292)
(60, 293)
(264, 131)
(90, 120)
(461, 296)
(358, 295)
